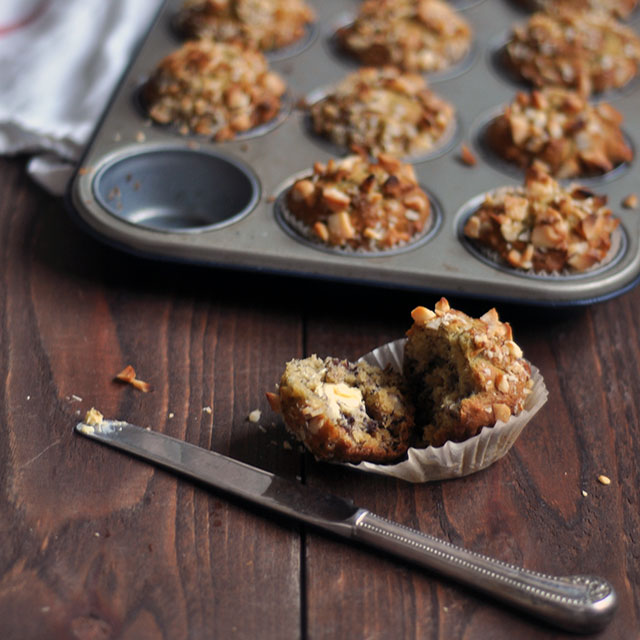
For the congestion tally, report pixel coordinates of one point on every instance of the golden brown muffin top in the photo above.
(361, 204)
(588, 51)
(544, 226)
(415, 35)
(383, 111)
(213, 88)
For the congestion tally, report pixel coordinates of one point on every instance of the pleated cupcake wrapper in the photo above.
(454, 459)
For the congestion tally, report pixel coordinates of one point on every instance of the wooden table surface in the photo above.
(95, 544)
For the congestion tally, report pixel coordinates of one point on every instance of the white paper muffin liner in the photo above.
(454, 459)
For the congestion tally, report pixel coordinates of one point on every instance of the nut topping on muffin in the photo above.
(543, 226)
(462, 373)
(213, 89)
(415, 35)
(587, 51)
(384, 111)
(360, 204)
(562, 130)
(261, 24)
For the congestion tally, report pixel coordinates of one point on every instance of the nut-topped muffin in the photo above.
(617, 8)
(415, 35)
(463, 373)
(343, 411)
(360, 204)
(587, 51)
(262, 24)
(384, 111)
(564, 132)
(544, 227)
(213, 89)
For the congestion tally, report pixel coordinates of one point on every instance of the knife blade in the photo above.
(577, 603)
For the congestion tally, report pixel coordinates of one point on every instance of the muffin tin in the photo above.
(149, 190)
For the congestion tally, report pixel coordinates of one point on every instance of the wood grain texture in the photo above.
(95, 544)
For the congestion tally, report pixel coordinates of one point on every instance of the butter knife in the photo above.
(577, 603)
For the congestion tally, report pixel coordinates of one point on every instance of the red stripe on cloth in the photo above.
(40, 8)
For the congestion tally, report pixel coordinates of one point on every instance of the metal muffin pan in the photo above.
(151, 191)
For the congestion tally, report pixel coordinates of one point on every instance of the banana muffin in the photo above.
(383, 111)
(213, 89)
(544, 227)
(359, 204)
(415, 35)
(343, 411)
(462, 373)
(588, 51)
(617, 8)
(262, 24)
(564, 132)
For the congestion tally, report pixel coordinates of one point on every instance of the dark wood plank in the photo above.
(96, 544)
(527, 509)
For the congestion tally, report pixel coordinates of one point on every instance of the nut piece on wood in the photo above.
(128, 375)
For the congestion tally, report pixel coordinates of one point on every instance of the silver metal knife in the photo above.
(577, 603)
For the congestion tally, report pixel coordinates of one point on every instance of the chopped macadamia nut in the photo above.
(631, 201)
(93, 417)
(128, 375)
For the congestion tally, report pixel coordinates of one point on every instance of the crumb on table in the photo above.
(128, 375)
(631, 201)
(467, 157)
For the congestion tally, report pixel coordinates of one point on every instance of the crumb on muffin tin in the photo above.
(543, 226)
(213, 89)
(587, 51)
(415, 35)
(360, 204)
(263, 24)
(564, 132)
(384, 110)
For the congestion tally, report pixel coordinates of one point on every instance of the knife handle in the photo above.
(575, 603)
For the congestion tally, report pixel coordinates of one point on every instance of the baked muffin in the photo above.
(617, 8)
(415, 35)
(343, 411)
(462, 373)
(562, 130)
(587, 51)
(213, 89)
(261, 24)
(359, 204)
(544, 227)
(383, 111)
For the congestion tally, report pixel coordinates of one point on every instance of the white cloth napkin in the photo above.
(59, 62)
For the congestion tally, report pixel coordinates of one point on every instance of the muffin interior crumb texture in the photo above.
(345, 411)
(463, 373)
